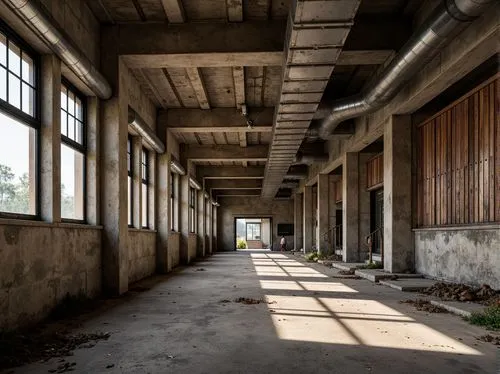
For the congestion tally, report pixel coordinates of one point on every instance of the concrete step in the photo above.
(375, 275)
(459, 308)
(409, 284)
(347, 266)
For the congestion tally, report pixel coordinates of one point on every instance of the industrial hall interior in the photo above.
(250, 186)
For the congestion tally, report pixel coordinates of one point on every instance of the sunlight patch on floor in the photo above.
(363, 322)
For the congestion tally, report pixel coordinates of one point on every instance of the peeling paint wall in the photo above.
(281, 211)
(470, 256)
(141, 254)
(40, 264)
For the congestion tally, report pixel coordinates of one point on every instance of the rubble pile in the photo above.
(461, 292)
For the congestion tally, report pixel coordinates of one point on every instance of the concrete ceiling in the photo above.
(199, 61)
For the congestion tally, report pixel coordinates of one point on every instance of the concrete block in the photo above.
(409, 285)
(459, 308)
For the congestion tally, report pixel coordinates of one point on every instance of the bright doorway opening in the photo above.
(253, 233)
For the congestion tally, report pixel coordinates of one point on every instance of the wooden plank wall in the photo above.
(458, 161)
(375, 172)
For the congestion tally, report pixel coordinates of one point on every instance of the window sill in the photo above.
(64, 225)
(144, 230)
(486, 226)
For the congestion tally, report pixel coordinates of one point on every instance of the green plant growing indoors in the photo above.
(241, 244)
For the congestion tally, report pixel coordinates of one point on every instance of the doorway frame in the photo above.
(253, 216)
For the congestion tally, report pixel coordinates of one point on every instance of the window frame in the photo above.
(252, 231)
(32, 121)
(130, 174)
(192, 210)
(172, 200)
(75, 146)
(145, 182)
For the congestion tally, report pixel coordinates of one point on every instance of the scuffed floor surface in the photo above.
(307, 322)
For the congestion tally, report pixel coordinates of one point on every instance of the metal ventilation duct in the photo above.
(146, 132)
(448, 20)
(316, 32)
(37, 19)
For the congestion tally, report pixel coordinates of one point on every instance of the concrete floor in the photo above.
(314, 324)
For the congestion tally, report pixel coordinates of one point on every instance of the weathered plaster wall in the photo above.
(40, 264)
(141, 254)
(281, 211)
(78, 22)
(470, 256)
(192, 245)
(174, 248)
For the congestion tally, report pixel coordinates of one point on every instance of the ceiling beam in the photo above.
(216, 120)
(174, 11)
(238, 184)
(230, 172)
(366, 57)
(239, 85)
(236, 193)
(217, 153)
(194, 75)
(234, 10)
(155, 45)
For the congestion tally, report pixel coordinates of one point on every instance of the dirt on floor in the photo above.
(460, 292)
(425, 305)
(22, 347)
(251, 301)
(490, 339)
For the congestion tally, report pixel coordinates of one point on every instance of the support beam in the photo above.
(194, 75)
(350, 205)
(399, 255)
(365, 57)
(216, 120)
(174, 11)
(323, 201)
(234, 10)
(237, 184)
(230, 172)
(297, 221)
(152, 45)
(239, 85)
(236, 193)
(307, 219)
(216, 153)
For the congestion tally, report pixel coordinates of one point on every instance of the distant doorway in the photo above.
(377, 218)
(253, 233)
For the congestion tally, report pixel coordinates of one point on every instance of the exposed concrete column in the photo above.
(364, 215)
(201, 223)
(214, 229)
(163, 228)
(50, 157)
(114, 195)
(297, 221)
(136, 182)
(323, 210)
(207, 226)
(93, 157)
(350, 207)
(308, 218)
(398, 236)
(210, 227)
(184, 217)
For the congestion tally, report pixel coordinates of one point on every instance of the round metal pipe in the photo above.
(37, 19)
(448, 20)
(145, 131)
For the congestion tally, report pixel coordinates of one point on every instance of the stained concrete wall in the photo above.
(41, 263)
(466, 255)
(192, 246)
(280, 211)
(141, 254)
(174, 248)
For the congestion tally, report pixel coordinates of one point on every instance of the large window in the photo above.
(19, 125)
(73, 152)
(253, 231)
(192, 209)
(130, 185)
(145, 185)
(172, 201)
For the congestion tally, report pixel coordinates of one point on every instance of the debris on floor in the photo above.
(461, 292)
(18, 348)
(200, 269)
(252, 301)
(225, 301)
(67, 366)
(346, 272)
(490, 339)
(424, 305)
